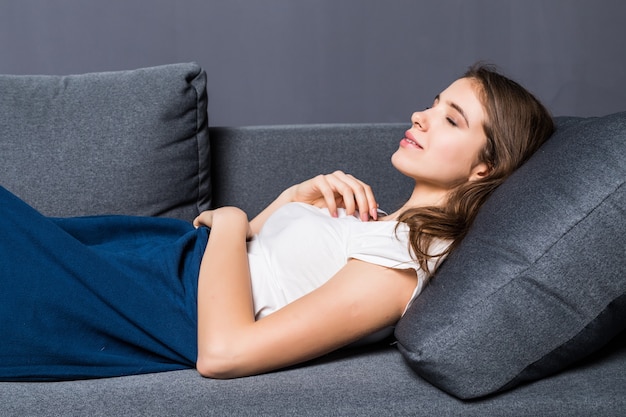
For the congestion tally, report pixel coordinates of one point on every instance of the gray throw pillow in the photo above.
(540, 281)
(127, 142)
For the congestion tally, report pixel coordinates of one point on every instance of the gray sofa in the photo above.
(526, 318)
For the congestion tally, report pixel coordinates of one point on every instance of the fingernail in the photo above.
(374, 213)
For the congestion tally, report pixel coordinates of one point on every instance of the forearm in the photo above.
(224, 291)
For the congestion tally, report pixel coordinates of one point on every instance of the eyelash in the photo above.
(449, 119)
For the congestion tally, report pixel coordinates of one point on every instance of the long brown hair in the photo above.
(516, 125)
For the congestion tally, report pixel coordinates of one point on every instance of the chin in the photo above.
(400, 164)
(394, 158)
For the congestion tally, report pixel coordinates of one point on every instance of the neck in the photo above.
(423, 195)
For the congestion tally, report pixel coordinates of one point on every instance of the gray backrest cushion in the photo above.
(127, 142)
(540, 281)
(252, 165)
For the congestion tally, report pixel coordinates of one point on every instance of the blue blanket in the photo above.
(95, 296)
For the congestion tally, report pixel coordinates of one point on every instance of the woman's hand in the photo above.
(331, 191)
(228, 216)
(337, 190)
(204, 219)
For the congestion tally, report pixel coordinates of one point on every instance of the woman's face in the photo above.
(441, 149)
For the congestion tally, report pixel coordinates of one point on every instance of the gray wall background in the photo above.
(323, 61)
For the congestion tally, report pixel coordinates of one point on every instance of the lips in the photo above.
(410, 141)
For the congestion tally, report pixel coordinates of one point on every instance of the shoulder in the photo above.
(384, 243)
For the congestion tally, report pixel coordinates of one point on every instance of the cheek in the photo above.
(452, 154)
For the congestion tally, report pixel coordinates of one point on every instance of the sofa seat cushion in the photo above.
(540, 281)
(126, 142)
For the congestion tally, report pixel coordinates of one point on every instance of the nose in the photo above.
(419, 120)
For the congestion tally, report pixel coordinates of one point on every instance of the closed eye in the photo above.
(456, 108)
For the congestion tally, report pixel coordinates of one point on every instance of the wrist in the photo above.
(288, 195)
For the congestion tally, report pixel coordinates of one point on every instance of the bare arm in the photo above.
(332, 190)
(360, 299)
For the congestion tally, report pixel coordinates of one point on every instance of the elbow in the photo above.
(215, 368)
(218, 365)
(209, 368)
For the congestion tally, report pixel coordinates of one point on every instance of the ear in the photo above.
(480, 170)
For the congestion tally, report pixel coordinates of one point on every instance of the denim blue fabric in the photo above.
(95, 296)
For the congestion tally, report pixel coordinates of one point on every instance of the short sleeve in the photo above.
(383, 244)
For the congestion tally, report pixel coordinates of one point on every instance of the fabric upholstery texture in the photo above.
(540, 280)
(127, 142)
(250, 166)
(366, 382)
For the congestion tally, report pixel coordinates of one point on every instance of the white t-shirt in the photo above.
(300, 247)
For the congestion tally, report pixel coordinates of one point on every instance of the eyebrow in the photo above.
(455, 107)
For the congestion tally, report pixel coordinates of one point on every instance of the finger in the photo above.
(326, 189)
(367, 202)
(361, 192)
(343, 186)
(204, 219)
(360, 197)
